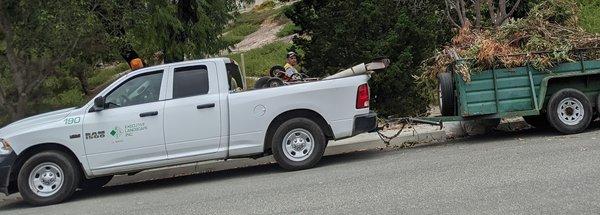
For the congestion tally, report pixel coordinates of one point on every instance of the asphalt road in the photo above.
(530, 172)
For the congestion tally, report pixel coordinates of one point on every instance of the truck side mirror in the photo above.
(99, 103)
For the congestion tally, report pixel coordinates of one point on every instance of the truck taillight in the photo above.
(362, 97)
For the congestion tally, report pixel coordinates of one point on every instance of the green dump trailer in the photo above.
(564, 97)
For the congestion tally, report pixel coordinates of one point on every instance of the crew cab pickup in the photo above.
(174, 114)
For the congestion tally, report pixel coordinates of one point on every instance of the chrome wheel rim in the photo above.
(570, 111)
(46, 179)
(298, 144)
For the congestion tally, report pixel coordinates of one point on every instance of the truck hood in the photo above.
(32, 121)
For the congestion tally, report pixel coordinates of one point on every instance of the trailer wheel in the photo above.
(298, 144)
(569, 111)
(262, 83)
(537, 121)
(446, 94)
(48, 178)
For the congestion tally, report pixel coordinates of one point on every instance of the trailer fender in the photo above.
(546, 80)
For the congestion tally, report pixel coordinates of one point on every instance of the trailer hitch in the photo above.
(404, 121)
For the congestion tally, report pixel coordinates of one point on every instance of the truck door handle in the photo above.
(211, 105)
(151, 113)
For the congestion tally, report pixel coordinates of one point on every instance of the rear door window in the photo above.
(190, 81)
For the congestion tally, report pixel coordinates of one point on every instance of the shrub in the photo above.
(340, 34)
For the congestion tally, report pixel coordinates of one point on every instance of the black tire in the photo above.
(275, 82)
(311, 157)
(95, 183)
(538, 121)
(70, 177)
(573, 113)
(446, 94)
(262, 83)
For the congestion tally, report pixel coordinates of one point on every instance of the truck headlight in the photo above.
(5, 147)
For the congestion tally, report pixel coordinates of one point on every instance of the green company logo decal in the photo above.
(116, 132)
(129, 130)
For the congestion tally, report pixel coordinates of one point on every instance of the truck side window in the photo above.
(190, 81)
(137, 90)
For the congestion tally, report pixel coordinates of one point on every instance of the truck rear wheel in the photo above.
(48, 178)
(298, 144)
(569, 111)
(446, 94)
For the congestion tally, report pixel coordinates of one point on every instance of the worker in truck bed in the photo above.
(290, 66)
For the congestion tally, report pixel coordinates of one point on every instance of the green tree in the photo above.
(39, 36)
(338, 34)
(48, 48)
(181, 29)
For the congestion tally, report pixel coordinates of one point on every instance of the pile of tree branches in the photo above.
(548, 35)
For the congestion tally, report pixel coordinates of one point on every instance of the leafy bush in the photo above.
(340, 34)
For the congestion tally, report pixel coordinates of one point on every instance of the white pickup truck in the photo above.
(175, 114)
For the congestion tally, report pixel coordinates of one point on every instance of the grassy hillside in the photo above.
(259, 61)
(249, 22)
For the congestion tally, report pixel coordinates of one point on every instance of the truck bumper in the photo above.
(6, 162)
(365, 123)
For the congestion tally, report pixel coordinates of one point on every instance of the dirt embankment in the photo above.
(266, 34)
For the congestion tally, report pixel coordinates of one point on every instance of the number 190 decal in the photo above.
(72, 120)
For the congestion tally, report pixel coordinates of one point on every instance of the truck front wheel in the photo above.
(569, 111)
(48, 177)
(298, 144)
